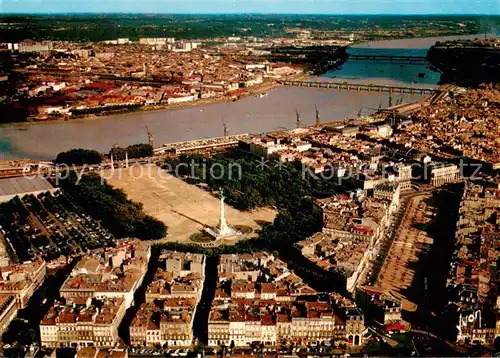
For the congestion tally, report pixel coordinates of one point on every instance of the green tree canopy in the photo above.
(79, 157)
(121, 216)
(134, 151)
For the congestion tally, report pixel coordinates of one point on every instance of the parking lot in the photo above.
(48, 226)
(398, 270)
(385, 245)
(316, 351)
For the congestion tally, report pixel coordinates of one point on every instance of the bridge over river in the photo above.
(389, 58)
(360, 87)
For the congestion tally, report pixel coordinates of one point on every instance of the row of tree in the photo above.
(121, 216)
(79, 157)
(133, 151)
(89, 156)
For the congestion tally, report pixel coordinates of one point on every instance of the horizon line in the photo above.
(240, 13)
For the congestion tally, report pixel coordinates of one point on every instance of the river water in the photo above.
(248, 115)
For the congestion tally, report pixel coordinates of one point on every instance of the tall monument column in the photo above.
(222, 229)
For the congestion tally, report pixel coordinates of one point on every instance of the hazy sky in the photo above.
(257, 6)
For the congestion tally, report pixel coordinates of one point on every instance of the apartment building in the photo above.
(270, 322)
(164, 323)
(388, 191)
(442, 173)
(266, 146)
(382, 309)
(472, 279)
(153, 41)
(352, 228)
(180, 275)
(8, 311)
(259, 300)
(82, 322)
(106, 274)
(167, 316)
(21, 281)
(35, 47)
(355, 326)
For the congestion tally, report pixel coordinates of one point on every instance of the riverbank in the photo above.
(252, 91)
(200, 102)
(414, 42)
(248, 92)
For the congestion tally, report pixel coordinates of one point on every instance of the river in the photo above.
(248, 115)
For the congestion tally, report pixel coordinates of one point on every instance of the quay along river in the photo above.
(249, 115)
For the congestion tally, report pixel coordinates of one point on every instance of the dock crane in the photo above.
(224, 124)
(111, 152)
(392, 118)
(400, 99)
(150, 137)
